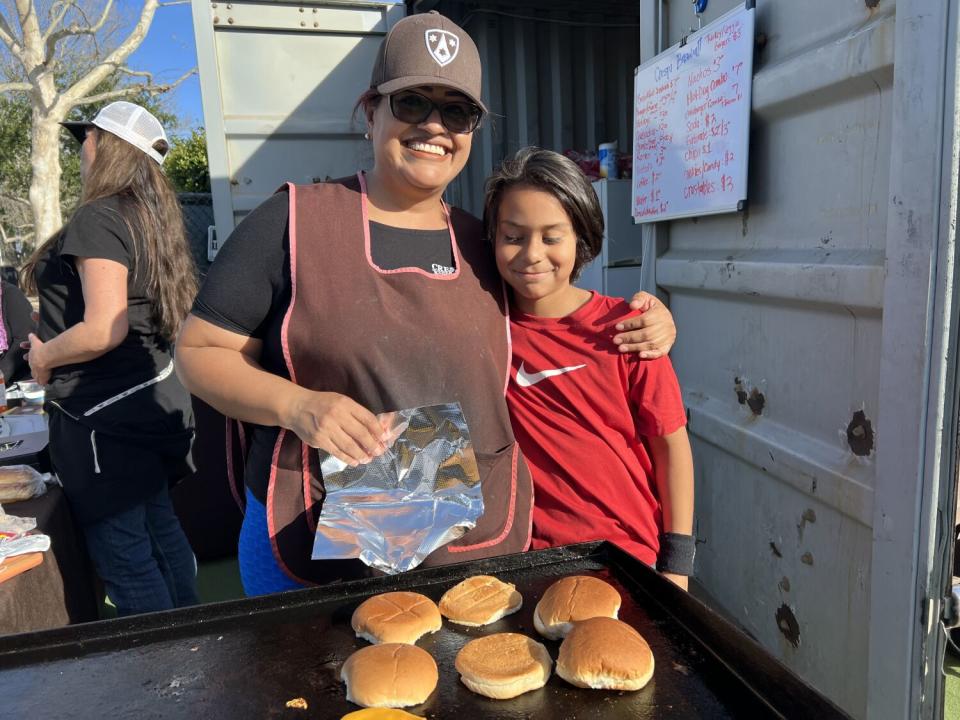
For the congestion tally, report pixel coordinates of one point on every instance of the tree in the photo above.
(61, 55)
(186, 163)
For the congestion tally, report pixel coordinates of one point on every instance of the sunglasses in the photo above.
(459, 116)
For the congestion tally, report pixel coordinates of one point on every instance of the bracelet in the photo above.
(676, 553)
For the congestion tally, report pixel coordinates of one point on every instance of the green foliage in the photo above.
(186, 164)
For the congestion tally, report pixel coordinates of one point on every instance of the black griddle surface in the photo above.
(247, 658)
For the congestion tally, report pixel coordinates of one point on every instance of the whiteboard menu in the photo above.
(692, 123)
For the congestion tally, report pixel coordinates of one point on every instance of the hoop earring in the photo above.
(366, 136)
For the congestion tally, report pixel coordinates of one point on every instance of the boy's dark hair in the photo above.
(558, 175)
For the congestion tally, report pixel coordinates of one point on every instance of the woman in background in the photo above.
(18, 323)
(114, 285)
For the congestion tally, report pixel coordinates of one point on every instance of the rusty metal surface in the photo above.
(247, 658)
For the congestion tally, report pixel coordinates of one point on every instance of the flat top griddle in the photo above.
(247, 658)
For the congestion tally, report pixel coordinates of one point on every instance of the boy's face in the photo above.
(536, 248)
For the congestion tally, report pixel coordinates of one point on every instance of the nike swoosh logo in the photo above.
(525, 379)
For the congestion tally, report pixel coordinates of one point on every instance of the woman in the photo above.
(334, 302)
(18, 323)
(114, 285)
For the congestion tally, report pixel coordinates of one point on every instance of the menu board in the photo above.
(692, 123)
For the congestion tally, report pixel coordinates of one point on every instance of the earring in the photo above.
(366, 136)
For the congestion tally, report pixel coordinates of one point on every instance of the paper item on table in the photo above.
(10, 547)
(419, 495)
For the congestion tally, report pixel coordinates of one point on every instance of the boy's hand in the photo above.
(651, 334)
(680, 580)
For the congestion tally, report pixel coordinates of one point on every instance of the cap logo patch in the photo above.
(443, 46)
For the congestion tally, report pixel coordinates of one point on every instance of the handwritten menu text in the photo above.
(691, 123)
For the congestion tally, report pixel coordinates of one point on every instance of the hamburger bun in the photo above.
(479, 600)
(573, 598)
(503, 665)
(605, 654)
(389, 675)
(396, 617)
(380, 714)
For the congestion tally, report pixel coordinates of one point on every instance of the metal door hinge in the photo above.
(950, 615)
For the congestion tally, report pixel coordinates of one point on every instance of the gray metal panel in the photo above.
(809, 316)
(279, 82)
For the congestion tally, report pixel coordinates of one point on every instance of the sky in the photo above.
(168, 51)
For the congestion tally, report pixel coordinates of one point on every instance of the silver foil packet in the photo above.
(422, 493)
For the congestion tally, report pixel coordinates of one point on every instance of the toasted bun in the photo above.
(389, 675)
(396, 617)
(577, 597)
(380, 714)
(605, 654)
(479, 600)
(503, 665)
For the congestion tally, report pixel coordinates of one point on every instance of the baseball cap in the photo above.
(428, 49)
(130, 122)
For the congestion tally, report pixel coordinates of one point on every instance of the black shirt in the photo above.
(247, 291)
(97, 230)
(18, 322)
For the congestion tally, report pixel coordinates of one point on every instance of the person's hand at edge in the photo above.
(650, 334)
(34, 358)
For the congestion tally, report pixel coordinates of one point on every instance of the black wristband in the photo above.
(676, 553)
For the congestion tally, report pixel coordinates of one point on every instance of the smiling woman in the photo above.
(361, 296)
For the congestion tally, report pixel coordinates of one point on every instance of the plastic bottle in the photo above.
(3, 393)
(608, 161)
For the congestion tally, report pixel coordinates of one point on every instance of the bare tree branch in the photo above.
(58, 11)
(113, 61)
(16, 200)
(136, 73)
(8, 38)
(135, 90)
(14, 86)
(52, 38)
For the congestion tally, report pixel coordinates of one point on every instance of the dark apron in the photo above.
(115, 453)
(393, 339)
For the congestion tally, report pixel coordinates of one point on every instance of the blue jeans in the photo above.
(143, 558)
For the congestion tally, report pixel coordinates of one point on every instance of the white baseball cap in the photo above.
(130, 122)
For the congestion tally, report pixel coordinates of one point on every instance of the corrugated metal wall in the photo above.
(803, 347)
(556, 74)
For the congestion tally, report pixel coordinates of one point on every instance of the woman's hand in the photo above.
(35, 358)
(335, 423)
(651, 334)
(680, 580)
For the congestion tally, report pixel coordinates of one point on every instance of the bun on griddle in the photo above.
(503, 665)
(573, 598)
(396, 617)
(380, 714)
(480, 600)
(389, 675)
(605, 654)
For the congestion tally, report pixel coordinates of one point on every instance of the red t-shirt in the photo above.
(579, 407)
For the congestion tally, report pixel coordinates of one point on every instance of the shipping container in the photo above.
(818, 326)
(278, 82)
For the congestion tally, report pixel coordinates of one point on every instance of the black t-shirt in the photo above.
(97, 230)
(247, 291)
(18, 322)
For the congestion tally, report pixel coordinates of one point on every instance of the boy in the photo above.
(603, 432)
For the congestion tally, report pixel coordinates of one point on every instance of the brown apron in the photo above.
(394, 339)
